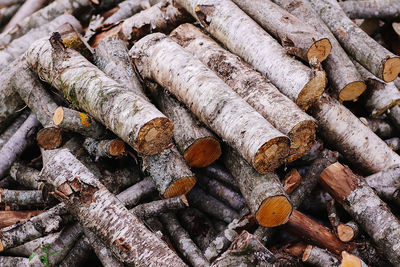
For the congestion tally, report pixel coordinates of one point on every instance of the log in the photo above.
(316, 256)
(291, 181)
(384, 9)
(351, 260)
(26, 176)
(242, 36)
(72, 38)
(252, 86)
(221, 174)
(380, 127)
(7, 12)
(298, 38)
(374, 57)
(12, 217)
(346, 82)
(348, 231)
(26, 249)
(10, 2)
(78, 255)
(263, 192)
(360, 201)
(100, 211)
(109, 148)
(49, 137)
(155, 208)
(14, 261)
(27, 8)
(127, 9)
(351, 137)
(21, 197)
(187, 78)
(394, 116)
(131, 196)
(6, 135)
(146, 129)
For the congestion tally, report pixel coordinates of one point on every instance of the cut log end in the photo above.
(345, 232)
(154, 136)
(58, 116)
(352, 91)
(391, 69)
(180, 187)
(1, 246)
(302, 137)
(349, 260)
(320, 49)
(271, 155)
(49, 138)
(203, 152)
(307, 253)
(117, 148)
(274, 211)
(312, 91)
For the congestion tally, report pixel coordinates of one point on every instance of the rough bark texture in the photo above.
(26, 176)
(232, 27)
(291, 181)
(21, 197)
(11, 217)
(131, 196)
(316, 256)
(127, 9)
(122, 231)
(374, 57)
(211, 100)
(361, 202)
(183, 241)
(347, 83)
(383, 9)
(157, 207)
(352, 138)
(74, 40)
(131, 117)
(25, 250)
(13, 128)
(220, 173)
(29, 7)
(252, 86)
(264, 193)
(14, 261)
(104, 148)
(78, 255)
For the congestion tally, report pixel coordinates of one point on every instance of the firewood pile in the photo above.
(199, 133)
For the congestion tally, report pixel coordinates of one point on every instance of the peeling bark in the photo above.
(154, 208)
(383, 9)
(21, 197)
(291, 181)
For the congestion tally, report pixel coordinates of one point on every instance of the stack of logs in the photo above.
(199, 132)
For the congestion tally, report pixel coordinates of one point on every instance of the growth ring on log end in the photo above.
(271, 155)
(391, 69)
(274, 211)
(203, 152)
(352, 91)
(320, 49)
(180, 187)
(312, 91)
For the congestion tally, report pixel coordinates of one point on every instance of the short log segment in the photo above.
(21, 197)
(361, 202)
(296, 37)
(252, 86)
(211, 100)
(183, 241)
(128, 115)
(97, 209)
(374, 57)
(155, 208)
(347, 83)
(316, 256)
(341, 128)
(383, 9)
(104, 148)
(348, 231)
(244, 37)
(14, 261)
(264, 193)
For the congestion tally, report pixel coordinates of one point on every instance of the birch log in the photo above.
(211, 100)
(21, 197)
(352, 138)
(6, 135)
(232, 27)
(100, 211)
(383, 9)
(316, 256)
(14, 261)
(253, 87)
(27, 8)
(104, 148)
(127, 9)
(128, 115)
(155, 208)
(26, 176)
(374, 57)
(347, 83)
(361, 202)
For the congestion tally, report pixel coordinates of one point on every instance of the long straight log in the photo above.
(211, 100)
(13, 128)
(29, 7)
(155, 208)
(383, 9)
(26, 249)
(232, 27)
(145, 128)
(7, 12)
(252, 86)
(14, 261)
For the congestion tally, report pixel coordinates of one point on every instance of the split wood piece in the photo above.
(244, 37)
(72, 120)
(49, 137)
(253, 87)
(198, 145)
(74, 40)
(316, 256)
(222, 192)
(220, 173)
(63, 244)
(291, 181)
(264, 193)
(347, 83)
(222, 110)
(341, 128)
(21, 197)
(127, 9)
(20, 140)
(162, 17)
(348, 231)
(12, 217)
(208, 204)
(27, 8)
(79, 254)
(224, 239)
(18, 46)
(394, 116)
(131, 196)
(246, 250)
(103, 253)
(154, 208)
(183, 241)
(170, 172)
(145, 128)
(380, 127)
(25, 250)
(101, 212)
(361, 202)
(374, 57)
(38, 226)
(7, 12)
(296, 37)
(104, 148)
(393, 143)
(43, 16)
(6, 135)
(383, 9)
(14, 261)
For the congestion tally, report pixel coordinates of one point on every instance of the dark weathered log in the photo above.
(157, 207)
(14, 261)
(29, 7)
(9, 218)
(383, 9)
(316, 256)
(131, 196)
(21, 197)
(104, 148)
(78, 255)
(13, 128)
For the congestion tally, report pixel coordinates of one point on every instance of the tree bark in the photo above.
(78, 255)
(25, 175)
(127, 9)
(131, 196)
(14, 261)
(26, 249)
(29, 7)
(21, 197)
(220, 173)
(12, 217)
(145, 128)
(374, 57)
(6, 135)
(7, 12)
(104, 148)
(383, 9)
(252, 86)
(316, 256)
(380, 127)
(155, 208)
(211, 100)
